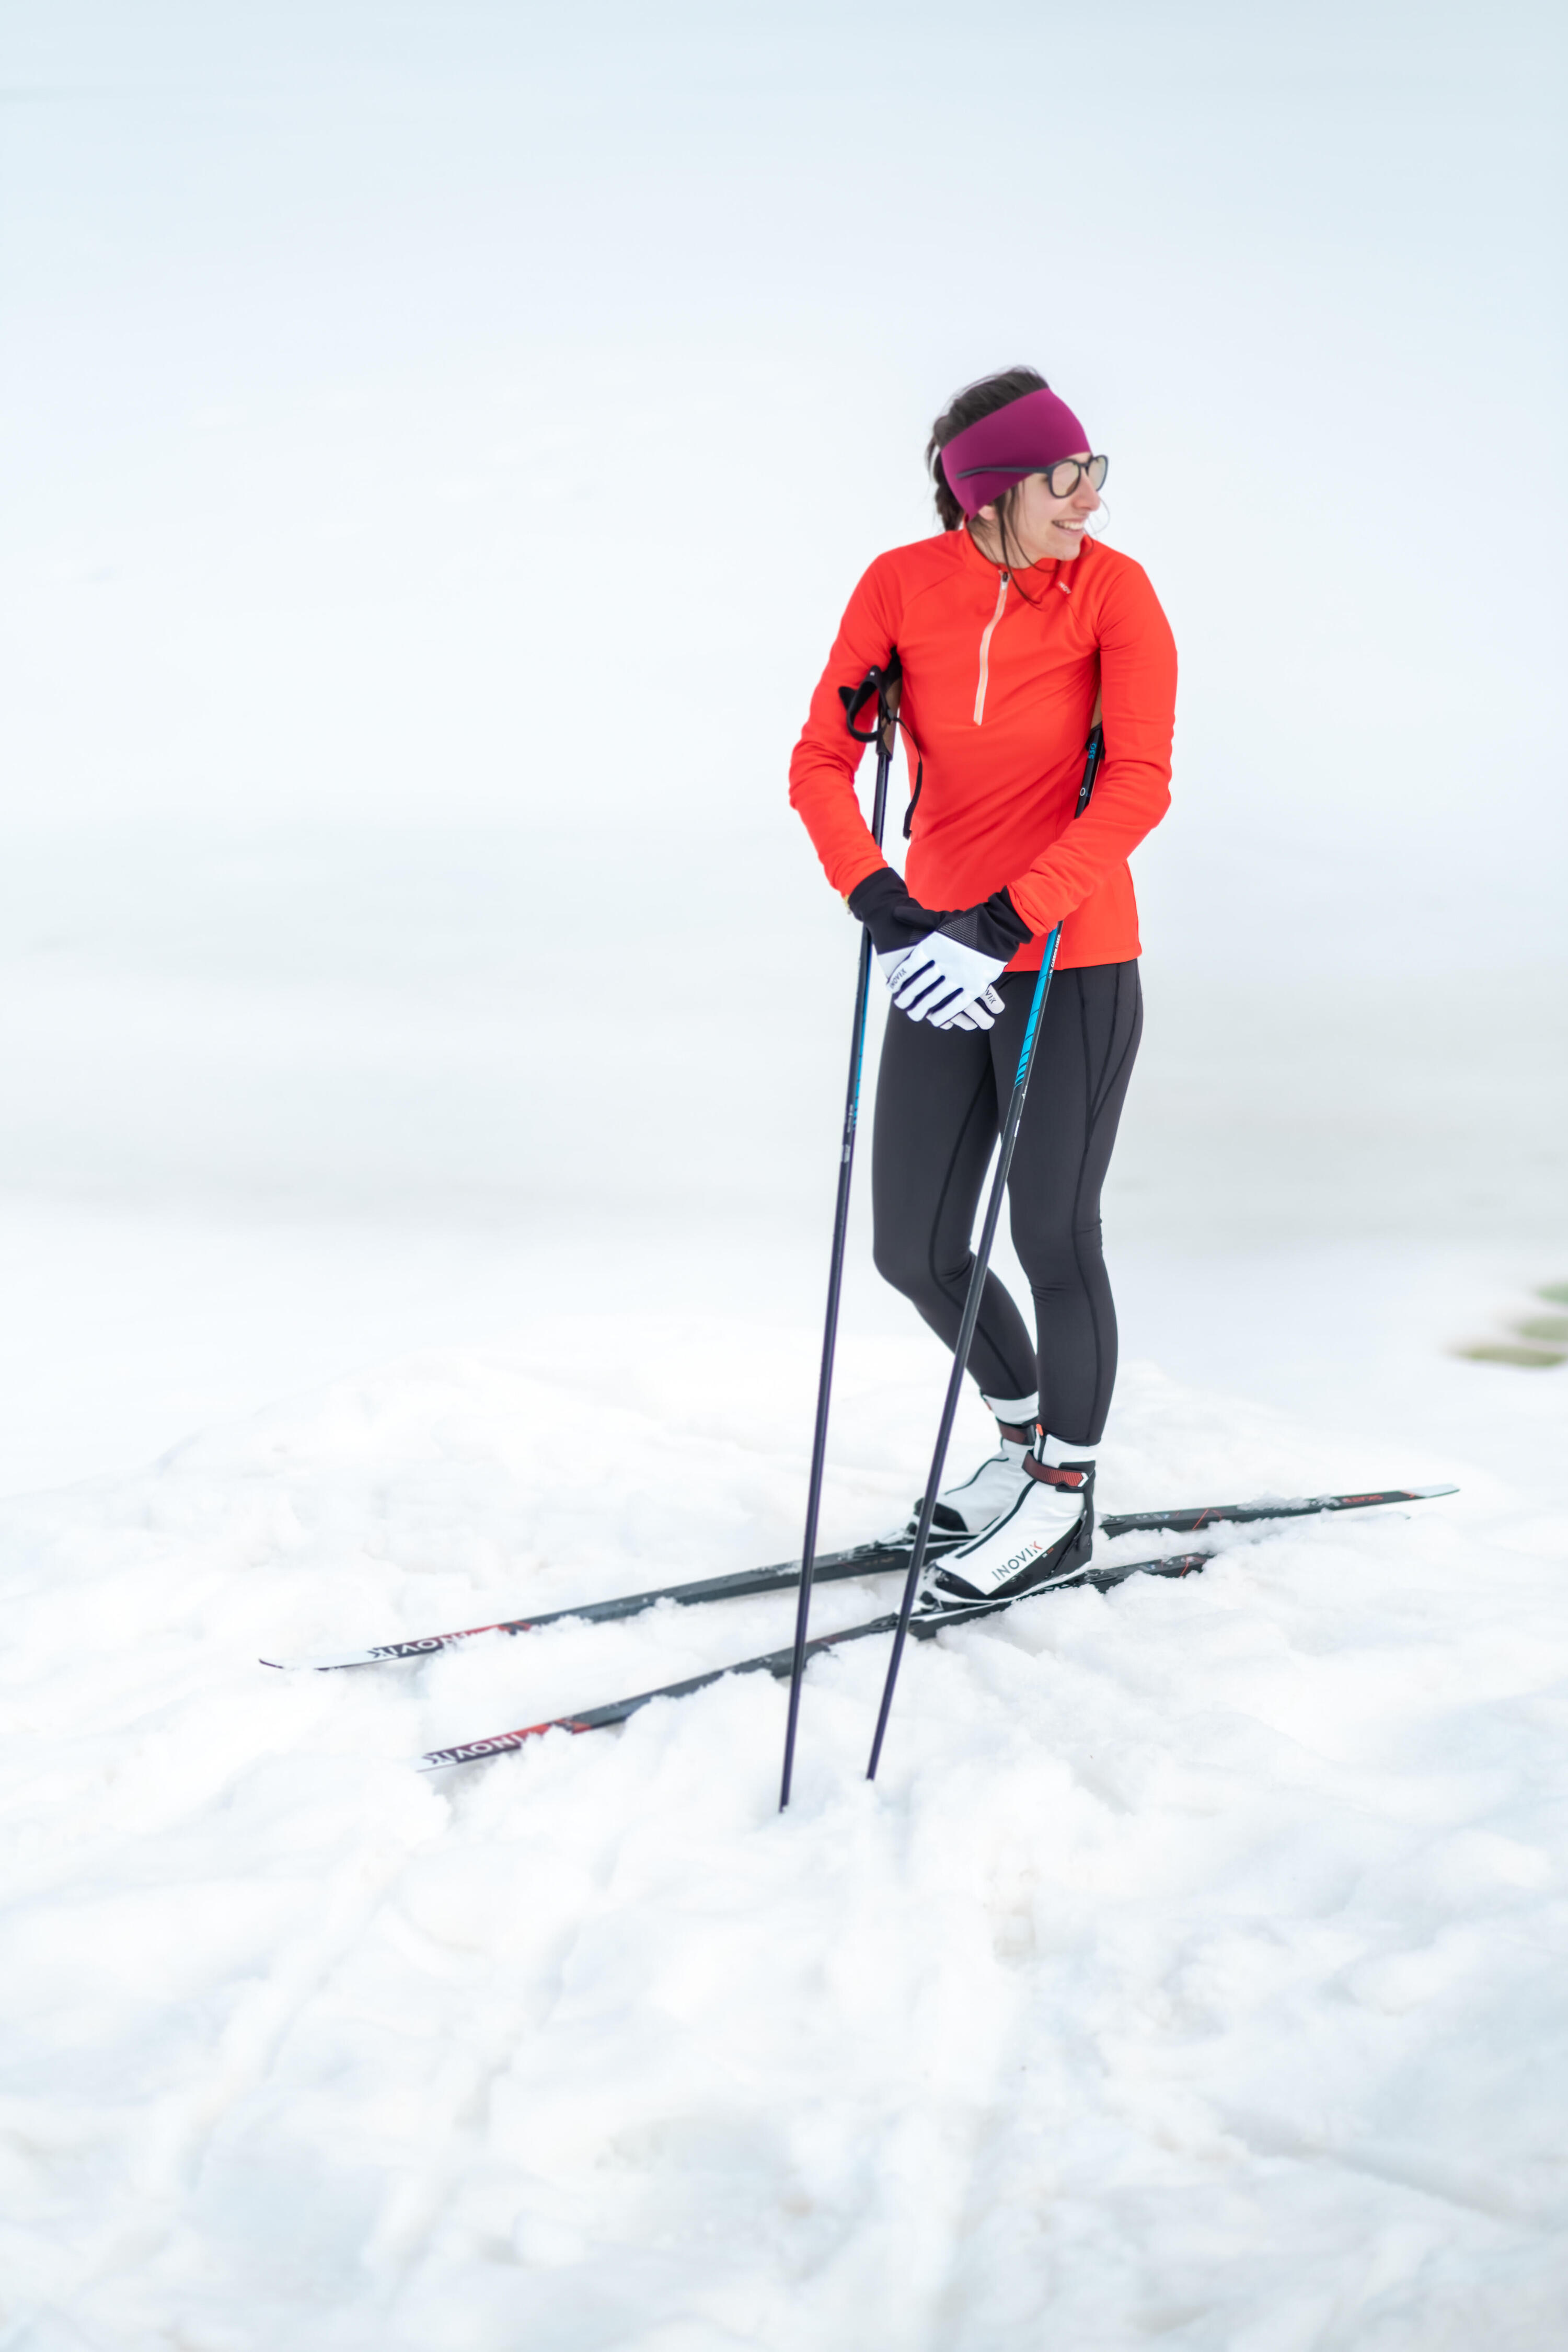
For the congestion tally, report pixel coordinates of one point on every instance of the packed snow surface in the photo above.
(1193, 1973)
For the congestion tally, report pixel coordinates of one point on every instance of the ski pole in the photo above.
(883, 684)
(977, 1283)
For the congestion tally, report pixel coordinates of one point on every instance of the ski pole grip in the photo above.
(881, 683)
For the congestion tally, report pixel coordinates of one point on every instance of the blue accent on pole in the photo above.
(1027, 1050)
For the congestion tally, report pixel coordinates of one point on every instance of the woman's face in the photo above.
(1045, 527)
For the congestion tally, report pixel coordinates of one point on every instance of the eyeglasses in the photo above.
(1061, 479)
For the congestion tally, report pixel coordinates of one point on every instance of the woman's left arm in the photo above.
(1132, 789)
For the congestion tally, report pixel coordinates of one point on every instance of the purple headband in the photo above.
(1024, 437)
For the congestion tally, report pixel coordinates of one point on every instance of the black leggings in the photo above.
(940, 1099)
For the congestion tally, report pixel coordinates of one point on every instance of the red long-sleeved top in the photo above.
(1000, 672)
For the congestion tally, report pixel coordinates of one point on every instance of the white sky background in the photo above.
(421, 411)
(438, 442)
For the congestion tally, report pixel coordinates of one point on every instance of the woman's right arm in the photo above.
(822, 773)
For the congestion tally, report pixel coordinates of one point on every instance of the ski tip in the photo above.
(1427, 1494)
(450, 1759)
(502, 1743)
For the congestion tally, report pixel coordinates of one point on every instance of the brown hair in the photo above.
(967, 407)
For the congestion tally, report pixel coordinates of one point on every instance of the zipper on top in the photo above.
(986, 648)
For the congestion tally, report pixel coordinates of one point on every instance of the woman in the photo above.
(1013, 628)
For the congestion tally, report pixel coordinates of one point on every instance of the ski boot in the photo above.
(1045, 1536)
(973, 1502)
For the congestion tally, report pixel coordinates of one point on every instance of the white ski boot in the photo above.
(1045, 1536)
(964, 1508)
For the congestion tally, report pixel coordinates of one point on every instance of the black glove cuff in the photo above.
(1009, 925)
(893, 918)
(995, 927)
(882, 888)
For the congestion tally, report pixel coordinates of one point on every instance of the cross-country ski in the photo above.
(862, 1559)
(780, 1663)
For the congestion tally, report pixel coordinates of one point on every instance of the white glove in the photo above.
(938, 979)
(981, 1014)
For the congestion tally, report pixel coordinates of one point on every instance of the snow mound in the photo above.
(1193, 1973)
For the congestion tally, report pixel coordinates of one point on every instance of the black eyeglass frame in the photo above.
(1081, 466)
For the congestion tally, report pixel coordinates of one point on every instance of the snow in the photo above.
(1193, 1968)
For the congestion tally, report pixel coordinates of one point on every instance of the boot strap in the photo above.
(1050, 1476)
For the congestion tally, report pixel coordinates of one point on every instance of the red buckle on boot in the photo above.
(1050, 1476)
